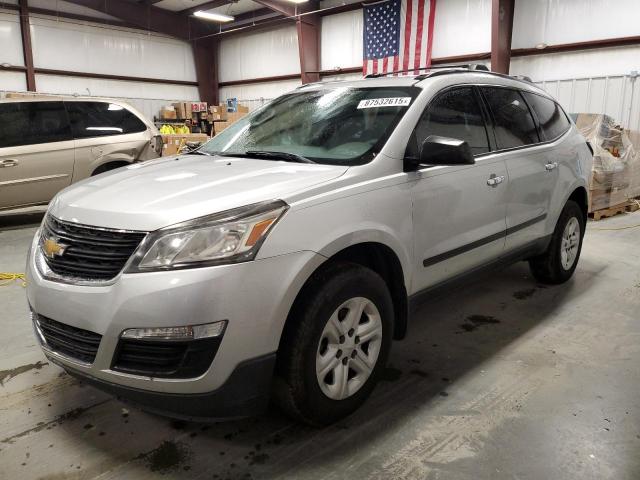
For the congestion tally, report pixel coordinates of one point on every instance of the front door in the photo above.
(458, 212)
(36, 153)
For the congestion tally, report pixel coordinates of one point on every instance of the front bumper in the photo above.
(254, 297)
(245, 393)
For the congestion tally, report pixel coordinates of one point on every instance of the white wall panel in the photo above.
(257, 94)
(341, 40)
(554, 22)
(461, 27)
(10, 39)
(259, 54)
(13, 81)
(68, 45)
(149, 97)
(586, 63)
(615, 95)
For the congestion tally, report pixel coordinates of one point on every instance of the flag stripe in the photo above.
(401, 29)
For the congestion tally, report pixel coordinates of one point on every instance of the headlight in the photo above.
(229, 237)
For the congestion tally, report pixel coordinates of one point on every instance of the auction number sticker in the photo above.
(385, 102)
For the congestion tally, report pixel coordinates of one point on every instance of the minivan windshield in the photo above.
(333, 125)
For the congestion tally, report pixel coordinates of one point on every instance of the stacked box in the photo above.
(615, 175)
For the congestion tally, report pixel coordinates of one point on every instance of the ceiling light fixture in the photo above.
(216, 17)
(541, 46)
(298, 1)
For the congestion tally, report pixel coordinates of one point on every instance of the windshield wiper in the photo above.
(287, 157)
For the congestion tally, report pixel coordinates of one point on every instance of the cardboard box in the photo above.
(234, 116)
(217, 109)
(243, 109)
(217, 117)
(183, 110)
(168, 113)
(220, 126)
(173, 143)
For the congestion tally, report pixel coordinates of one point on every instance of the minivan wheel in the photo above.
(338, 342)
(559, 261)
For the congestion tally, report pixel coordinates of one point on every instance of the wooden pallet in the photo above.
(611, 211)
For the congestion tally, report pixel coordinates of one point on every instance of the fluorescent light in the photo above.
(298, 1)
(541, 46)
(216, 17)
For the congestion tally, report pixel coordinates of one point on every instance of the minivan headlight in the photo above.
(229, 237)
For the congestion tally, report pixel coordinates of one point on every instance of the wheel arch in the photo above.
(380, 258)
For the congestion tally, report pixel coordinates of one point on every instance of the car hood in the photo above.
(150, 195)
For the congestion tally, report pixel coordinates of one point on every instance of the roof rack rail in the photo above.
(468, 66)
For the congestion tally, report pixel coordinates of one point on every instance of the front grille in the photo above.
(72, 342)
(165, 359)
(88, 253)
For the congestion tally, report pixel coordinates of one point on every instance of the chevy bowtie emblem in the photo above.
(52, 248)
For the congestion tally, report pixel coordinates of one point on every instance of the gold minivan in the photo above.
(48, 144)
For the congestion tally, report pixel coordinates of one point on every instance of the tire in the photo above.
(552, 266)
(311, 343)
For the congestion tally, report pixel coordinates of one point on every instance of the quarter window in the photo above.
(553, 122)
(97, 119)
(513, 123)
(455, 114)
(30, 123)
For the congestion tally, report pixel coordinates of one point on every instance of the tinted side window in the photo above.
(456, 114)
(551, 118)
(513, 122)
(30, 123)
(97, 119)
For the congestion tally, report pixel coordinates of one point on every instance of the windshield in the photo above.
(339, 126)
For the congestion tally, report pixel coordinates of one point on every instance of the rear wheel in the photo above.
(331, 357)
(559, 261)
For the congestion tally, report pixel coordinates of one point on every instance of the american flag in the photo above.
(398, 35)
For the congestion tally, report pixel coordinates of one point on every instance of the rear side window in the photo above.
(30, 123)
(513, 123)
(455, 114)
(553, 122)
(97, 119)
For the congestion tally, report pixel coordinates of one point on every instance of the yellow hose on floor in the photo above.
(8, 278)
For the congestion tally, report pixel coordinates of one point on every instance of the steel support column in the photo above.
(25, 28)
(501, 30)
(205, 53)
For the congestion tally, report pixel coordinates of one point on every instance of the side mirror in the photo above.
(436, 150)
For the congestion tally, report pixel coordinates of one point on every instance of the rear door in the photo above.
(530, 183)
(458, 211)
(36, 152)
(104, 132)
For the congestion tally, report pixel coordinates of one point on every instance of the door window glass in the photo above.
(455, 114)
(97, 119)
(513, 123)
(30, 123)
(553, 122)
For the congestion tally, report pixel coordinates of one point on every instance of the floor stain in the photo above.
(524, 294)
(168, 456)
(6, 375)
(70, 415)
(475, 321)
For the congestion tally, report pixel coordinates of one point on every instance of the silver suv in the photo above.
(48, 144)
(280, 259)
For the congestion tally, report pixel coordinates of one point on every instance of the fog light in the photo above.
(189, 332)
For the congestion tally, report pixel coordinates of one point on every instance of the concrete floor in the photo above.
(502, 379)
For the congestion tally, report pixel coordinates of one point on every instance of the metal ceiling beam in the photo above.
(285, 8)
(25, 29)
(501, 31)
(150, 17)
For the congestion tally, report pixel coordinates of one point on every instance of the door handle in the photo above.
(9, 162)
(551, 166)
(495, 180)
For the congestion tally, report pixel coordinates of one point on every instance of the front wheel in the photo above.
(559, 261)
(335, 345)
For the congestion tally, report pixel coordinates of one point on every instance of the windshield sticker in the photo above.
(385, 102)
